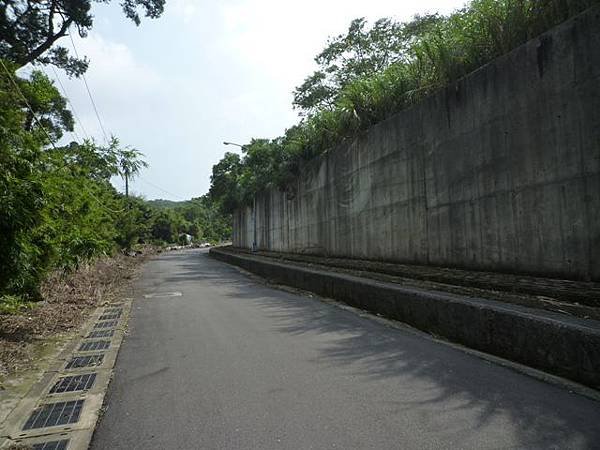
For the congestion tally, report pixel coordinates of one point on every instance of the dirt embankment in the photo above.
(67, 300)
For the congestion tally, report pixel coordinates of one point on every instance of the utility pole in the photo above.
(254, 245)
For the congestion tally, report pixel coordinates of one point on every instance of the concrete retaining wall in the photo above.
(557, 344)
(500, 171)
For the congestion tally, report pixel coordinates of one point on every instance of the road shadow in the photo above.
(542, 416)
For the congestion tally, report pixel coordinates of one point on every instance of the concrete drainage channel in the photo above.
(61, 410)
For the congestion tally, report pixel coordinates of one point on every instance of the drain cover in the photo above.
(101, 334)
(107, 324)
(54, 414)
(113, 310)
(51, 445)
(94, 345)
(85, 361)
(74, 383)
(163, 294)
(110, 316)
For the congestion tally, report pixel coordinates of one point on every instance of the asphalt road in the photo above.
(235, 364)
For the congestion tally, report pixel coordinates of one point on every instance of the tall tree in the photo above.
(225, 182)
(21, 195)
(130, 162)
(361, 52)
(29, 29)
(49, 107)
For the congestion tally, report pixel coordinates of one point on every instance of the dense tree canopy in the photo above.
(225, 179)
(53, 203)
(58, 207)
(360, 53)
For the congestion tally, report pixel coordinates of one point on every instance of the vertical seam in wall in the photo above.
(480, 206)
(586, 211)
(424, 162)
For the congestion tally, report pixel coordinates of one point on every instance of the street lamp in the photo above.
(243, 147)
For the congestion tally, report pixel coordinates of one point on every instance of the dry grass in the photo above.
(67, 301)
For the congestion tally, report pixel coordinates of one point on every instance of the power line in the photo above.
(161, 189)
(70, 103)
(106, 208)
(90, 93)
(79, 121)
(74, 134)
(102, 126)
(10, 76)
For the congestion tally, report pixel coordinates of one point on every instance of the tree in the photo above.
(135, 225)
(57, 205)
(37, 98)
(130, 162)
(29, 29)
(88, 159)
(21, 195)
(262, 161)
(225, 181)
(202, 218)
(164, 227)
(360, 53)
(48, 105)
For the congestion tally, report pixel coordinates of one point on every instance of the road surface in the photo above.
(234, 364)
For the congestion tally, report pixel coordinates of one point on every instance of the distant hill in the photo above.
(166, 204)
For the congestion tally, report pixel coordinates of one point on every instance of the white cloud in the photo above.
(187, 10)
(282, 38)
(206, 72)
(114, 69)
(118, 82)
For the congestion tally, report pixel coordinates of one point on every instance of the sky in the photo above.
(206, 72)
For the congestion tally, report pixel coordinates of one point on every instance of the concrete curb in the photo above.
(563, 346)
(78, 433)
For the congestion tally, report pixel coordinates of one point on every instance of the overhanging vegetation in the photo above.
(368, 75)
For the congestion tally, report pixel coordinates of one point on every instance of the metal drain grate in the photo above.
(113, 310)
(85, 361)
(54, 414)
(108, 324)
(51, 445)
(94, 345)
(74, 383)
(101, 334)
(110, 316)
